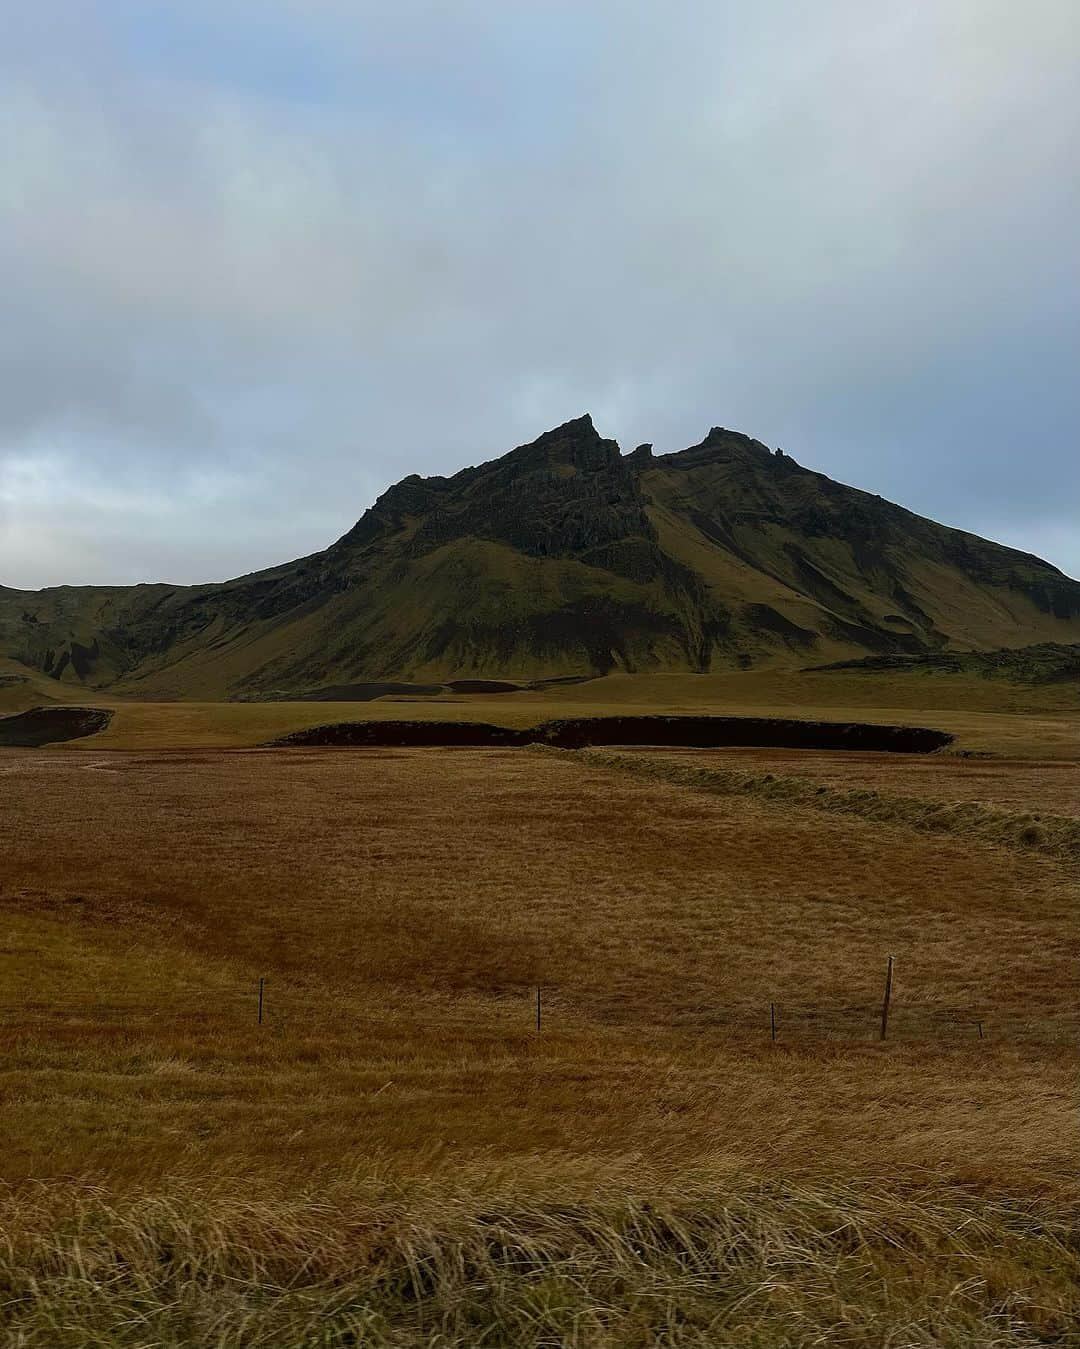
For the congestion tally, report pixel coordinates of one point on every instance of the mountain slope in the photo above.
(564, 557)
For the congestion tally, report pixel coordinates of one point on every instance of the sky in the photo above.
(261, 258)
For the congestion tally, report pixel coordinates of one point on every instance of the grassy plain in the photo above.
(986, 716)
(397, 1157)
(997, 716)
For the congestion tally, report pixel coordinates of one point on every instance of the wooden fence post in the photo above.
(772, 1019)
(262, 981)
(886, 1000)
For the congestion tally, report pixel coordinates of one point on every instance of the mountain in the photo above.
(564, 557)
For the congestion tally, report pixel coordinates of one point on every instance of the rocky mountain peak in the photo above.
(576, 445)
(564, 557)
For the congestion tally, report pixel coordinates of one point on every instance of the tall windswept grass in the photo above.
(699, 1263)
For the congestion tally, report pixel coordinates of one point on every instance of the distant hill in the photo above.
(564, 557)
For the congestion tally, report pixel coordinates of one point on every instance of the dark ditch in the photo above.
(580, 732)
(51, 726)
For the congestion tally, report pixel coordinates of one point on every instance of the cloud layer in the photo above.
(261, 259)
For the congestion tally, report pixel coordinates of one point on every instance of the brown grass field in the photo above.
(396, 1156)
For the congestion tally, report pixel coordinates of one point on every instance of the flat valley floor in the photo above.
(397, 1155)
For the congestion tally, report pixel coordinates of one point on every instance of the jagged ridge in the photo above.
(565, 557)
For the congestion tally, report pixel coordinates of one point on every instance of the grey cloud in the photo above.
(240, 302)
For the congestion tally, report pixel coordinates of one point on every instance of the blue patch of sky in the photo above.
(517, 76)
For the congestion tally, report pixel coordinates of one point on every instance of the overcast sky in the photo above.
(261, 258)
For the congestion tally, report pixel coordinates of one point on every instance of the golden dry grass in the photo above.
(603, 1261)
(1025, 830)
(1043, 785)
(405, 903)
(402, 904)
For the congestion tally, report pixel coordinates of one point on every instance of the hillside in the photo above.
(563, 557)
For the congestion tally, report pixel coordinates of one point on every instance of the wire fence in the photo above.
(264, 1005)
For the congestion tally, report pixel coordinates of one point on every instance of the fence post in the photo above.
(262, 982)
(979, 1024)
(772, 1019)
(886, 999)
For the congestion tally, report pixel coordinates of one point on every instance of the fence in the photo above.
(267, 1007)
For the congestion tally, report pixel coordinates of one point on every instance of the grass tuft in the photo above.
(385, 1264)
